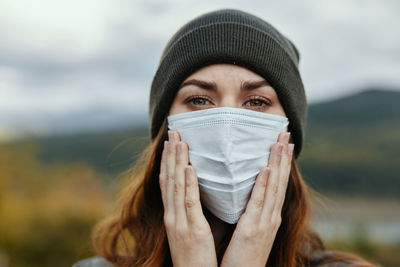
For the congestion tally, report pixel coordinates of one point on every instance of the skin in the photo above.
(193, 236)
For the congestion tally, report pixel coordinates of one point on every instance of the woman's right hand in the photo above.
(189, 235)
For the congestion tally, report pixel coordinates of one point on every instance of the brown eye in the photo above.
(199, 101)
(256, 103)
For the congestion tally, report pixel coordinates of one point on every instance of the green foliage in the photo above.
(353, 145)
(358, 242)
(47, 210)
(365, 108)
(110, 152)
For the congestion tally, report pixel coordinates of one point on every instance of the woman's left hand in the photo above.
(255, 232)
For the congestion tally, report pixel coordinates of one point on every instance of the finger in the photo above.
(179, 187)
(282, 180)
(194, 211)
(256, 202)
(284, 137)
(272, 184)
(287, 154)
(176, 135)
(171, 159)
(163, 175)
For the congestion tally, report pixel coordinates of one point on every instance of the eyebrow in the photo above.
(212, 86)
(248, 85)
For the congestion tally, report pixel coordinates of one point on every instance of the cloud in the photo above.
(73, 57)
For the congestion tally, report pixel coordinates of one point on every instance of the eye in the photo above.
(198, 100)
(257, 101)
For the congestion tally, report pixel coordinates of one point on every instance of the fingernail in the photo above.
(175, 136)
(286, 137)
(264, 170)
(267, 170)
(170, 136)
(291, 148)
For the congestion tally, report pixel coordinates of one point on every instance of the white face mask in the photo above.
(228, 147)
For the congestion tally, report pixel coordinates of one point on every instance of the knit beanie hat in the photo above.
(232, 37)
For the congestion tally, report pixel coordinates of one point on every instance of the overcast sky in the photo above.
(93, 60)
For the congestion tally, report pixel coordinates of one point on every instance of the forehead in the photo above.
(228, 72)
(224, 78)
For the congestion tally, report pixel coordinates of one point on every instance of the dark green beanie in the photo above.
(232, 37)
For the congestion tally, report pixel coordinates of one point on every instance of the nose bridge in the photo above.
(228, 100)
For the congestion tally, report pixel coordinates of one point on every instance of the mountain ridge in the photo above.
(99, 119)
(340, 155)
(368, 106)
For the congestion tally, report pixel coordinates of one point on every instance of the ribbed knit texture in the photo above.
(233, 37)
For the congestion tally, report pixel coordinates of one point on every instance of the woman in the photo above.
(219, 183)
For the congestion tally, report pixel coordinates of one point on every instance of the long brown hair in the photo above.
(136, 235)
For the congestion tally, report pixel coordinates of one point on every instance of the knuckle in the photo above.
(276, 221)
(200, 231)
(246, 229)
(162, 178)
(168, 221)
(170, 178)
(259, 203)
(263, 183)
(274, 188)
(178, 187)
(162, 183)
(249, 232)
(190, 203)
(189, 183)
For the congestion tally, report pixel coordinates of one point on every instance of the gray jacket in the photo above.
(93, 262)
(101, 262)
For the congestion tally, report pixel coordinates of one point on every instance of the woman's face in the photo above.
(226, 85)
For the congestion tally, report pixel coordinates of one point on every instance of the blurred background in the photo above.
(74, 86)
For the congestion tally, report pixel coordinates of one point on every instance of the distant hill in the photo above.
(370, 106)
(352, 146)
(111, 152)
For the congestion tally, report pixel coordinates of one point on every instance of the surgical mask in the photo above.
(227, 147)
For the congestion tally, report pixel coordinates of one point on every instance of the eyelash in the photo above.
(265, 101)
(194, 97)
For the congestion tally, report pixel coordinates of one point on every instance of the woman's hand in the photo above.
(255, 232)
(189, 235)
